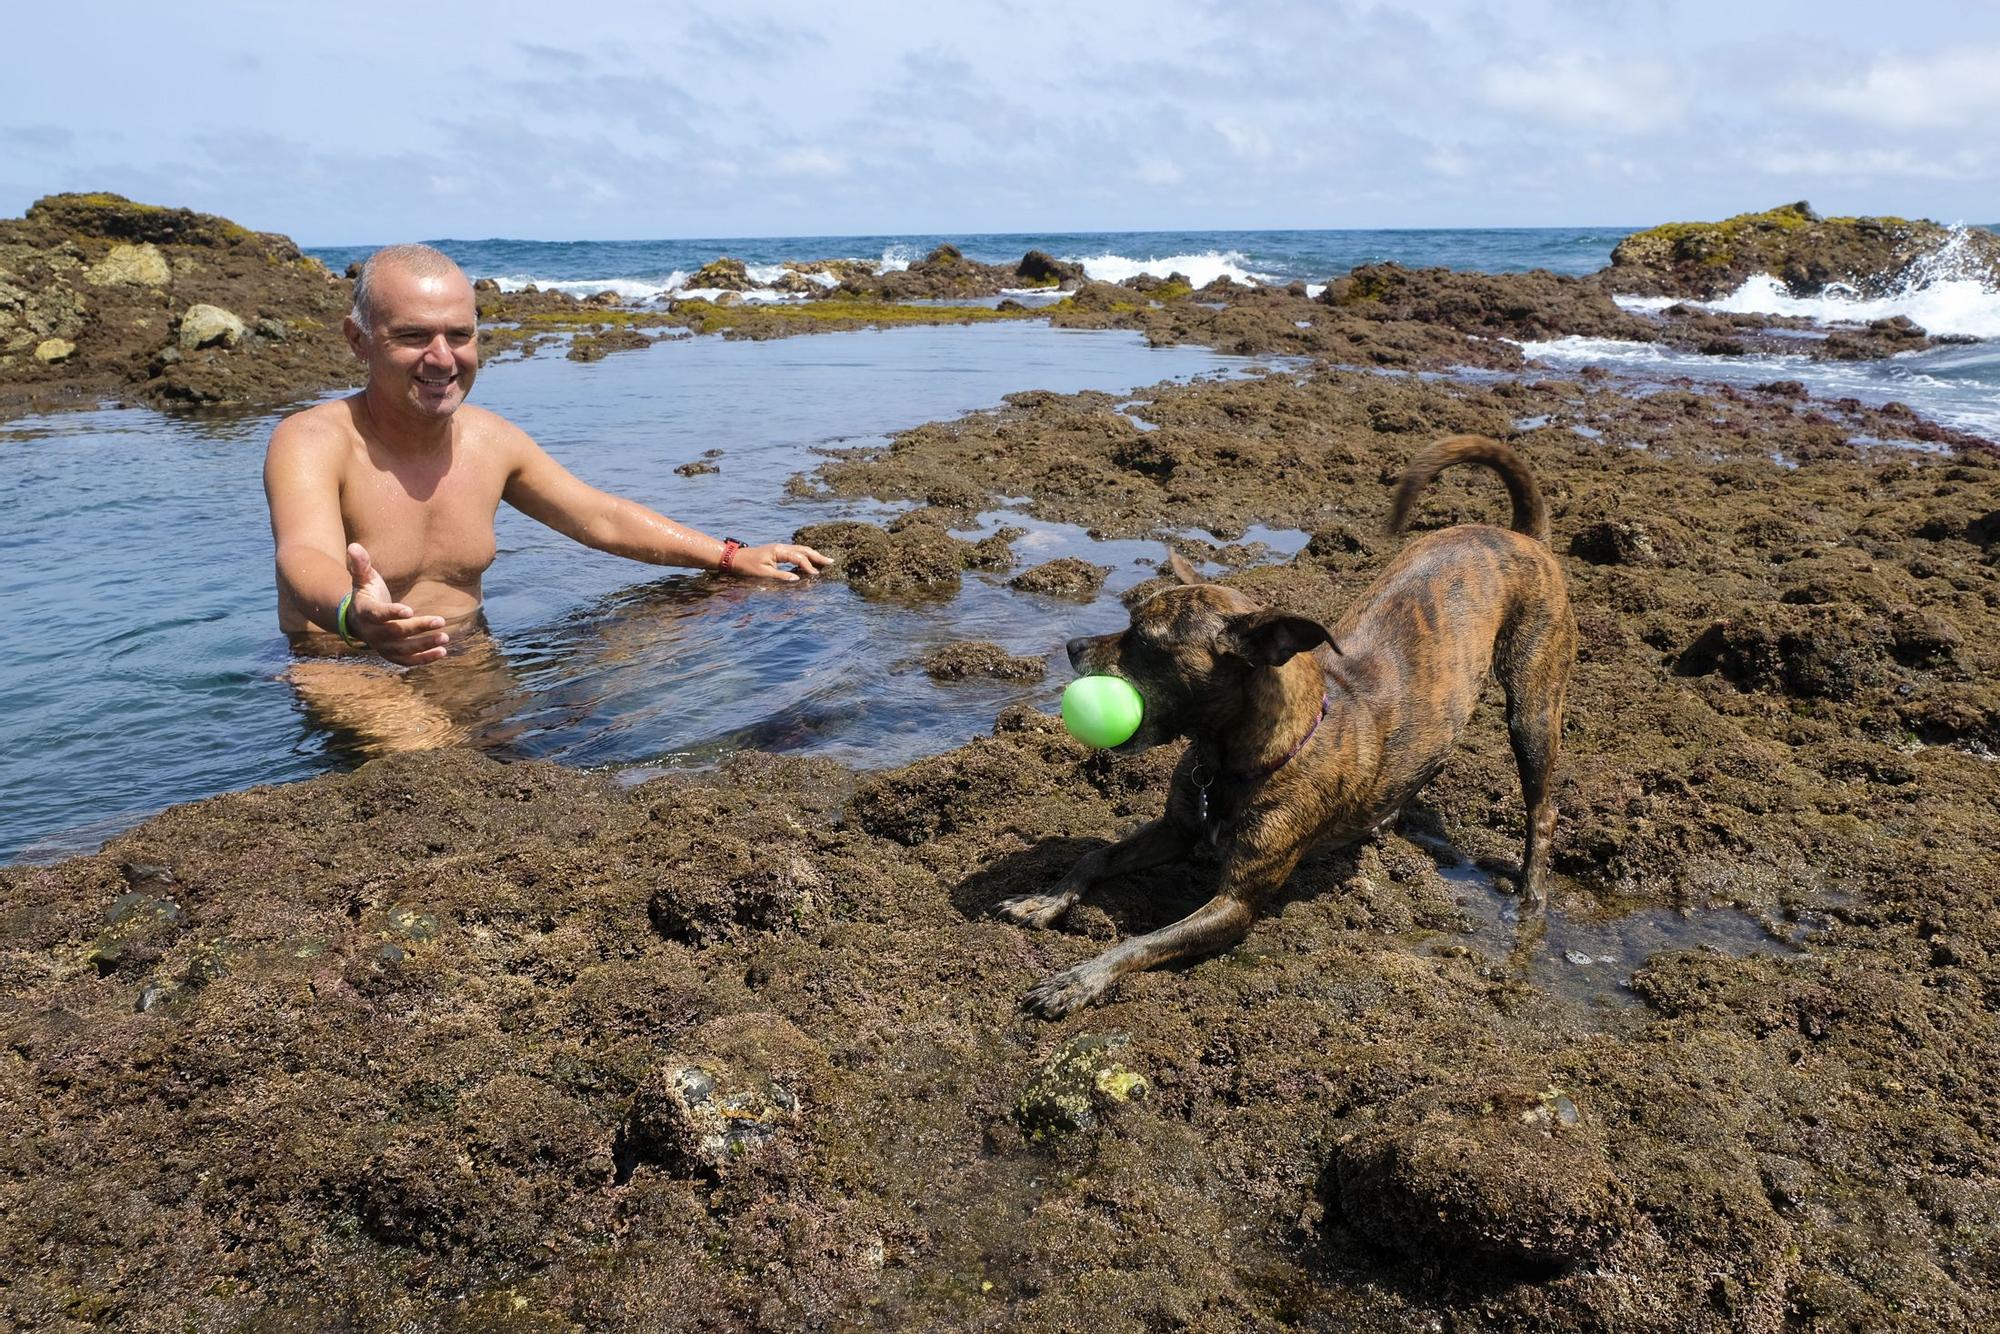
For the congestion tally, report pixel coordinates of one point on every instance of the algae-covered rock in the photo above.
(117, 218)
(596, 346)
(1076, 1088)
(1512, 305)
(726, 274)
(959, 662)
(1496, 1174)
(1806, 252)
(919, 559)
(96, 271)
(53, 351)
(1065, 577)
(1043, 269)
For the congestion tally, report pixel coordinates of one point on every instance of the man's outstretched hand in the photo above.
(769, 560)
(390, 628)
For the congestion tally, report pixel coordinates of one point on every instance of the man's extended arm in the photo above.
(544, 490)
(318, 568)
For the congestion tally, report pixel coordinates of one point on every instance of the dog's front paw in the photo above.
(1068, 991)
(1034, 909)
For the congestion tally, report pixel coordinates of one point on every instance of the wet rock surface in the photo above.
(962, 662)
(1065, 577)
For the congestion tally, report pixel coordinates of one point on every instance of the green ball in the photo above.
(1101, 711)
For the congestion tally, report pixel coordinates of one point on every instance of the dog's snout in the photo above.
(1076, 648)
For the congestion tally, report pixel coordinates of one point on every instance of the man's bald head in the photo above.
(419, 261)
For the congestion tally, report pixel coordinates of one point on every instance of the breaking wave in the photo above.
(1945, 295)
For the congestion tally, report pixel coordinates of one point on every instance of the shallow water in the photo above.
(1955, 384)
(140, 661)
(1588, 958)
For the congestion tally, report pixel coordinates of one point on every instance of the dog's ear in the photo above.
(1270, 638)
(1182, 570)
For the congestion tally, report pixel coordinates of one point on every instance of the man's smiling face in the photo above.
(422, 340)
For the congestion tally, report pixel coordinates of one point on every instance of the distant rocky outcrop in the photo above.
(1513, 305)
(1045, 270)
(1794, 244)
(725, 274)
(102, 296)
(946, 273)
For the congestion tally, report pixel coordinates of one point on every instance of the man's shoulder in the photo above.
(497, 441)
(484, 425)
(321, 428)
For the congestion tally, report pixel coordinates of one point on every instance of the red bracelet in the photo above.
(730, 546)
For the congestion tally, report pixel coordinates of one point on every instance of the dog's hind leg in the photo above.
(1534, 671)
(1152, 844)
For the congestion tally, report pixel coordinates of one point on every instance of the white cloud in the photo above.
(1937, 90)
(1249, 140)
(1586, 92)
(809, 162)
(1863, 163)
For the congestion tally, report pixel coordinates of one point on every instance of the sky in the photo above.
(368, 122)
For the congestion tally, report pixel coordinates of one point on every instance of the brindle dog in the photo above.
(1300, 736)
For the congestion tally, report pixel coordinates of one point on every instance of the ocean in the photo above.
(140, 663)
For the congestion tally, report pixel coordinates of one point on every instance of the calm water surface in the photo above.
(140, 663)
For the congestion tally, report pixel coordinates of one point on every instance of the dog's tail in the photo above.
(1531, 514)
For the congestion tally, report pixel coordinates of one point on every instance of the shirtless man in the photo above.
(382, 503)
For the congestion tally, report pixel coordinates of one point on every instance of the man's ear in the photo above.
(1271, 638)
(357, 341)
(1182, 570)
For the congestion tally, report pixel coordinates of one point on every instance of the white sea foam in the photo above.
(1961, 307)
(1199, 269)
(767, 274)
(628, 289)
(1953, 385)
(1945, 295)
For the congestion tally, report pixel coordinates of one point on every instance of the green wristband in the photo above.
(340, 623)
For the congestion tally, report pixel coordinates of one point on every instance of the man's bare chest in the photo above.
(423, 523)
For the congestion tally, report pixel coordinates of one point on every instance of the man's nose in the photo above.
(438, 350)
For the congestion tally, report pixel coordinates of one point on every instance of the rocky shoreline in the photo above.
(103, 298)
(742, 1050)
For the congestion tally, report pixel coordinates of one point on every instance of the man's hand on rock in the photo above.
(390, 628)
(768, 561)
